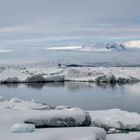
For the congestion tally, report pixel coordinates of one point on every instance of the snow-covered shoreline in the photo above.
(119, 75)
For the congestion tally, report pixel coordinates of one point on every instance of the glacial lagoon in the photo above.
(88, 96)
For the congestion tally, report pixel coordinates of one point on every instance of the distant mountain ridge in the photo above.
(105, 46)
(100, 47)
(116, 47)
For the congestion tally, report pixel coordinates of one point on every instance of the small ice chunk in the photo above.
(111, 130)
(23, 128)
(16, 100)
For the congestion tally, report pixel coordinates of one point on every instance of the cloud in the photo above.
(69, 19)
(11, 29)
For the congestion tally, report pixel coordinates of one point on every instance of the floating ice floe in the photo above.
(19, 104)
(116, 120)
(23, 128)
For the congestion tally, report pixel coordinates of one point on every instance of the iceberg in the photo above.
(23, 128)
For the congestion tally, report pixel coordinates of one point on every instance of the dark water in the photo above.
(87, 96)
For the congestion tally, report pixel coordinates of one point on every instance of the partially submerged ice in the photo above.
(60, 118)
(22, 128)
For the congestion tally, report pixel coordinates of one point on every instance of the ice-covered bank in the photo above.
(16, 111)
(119, 75)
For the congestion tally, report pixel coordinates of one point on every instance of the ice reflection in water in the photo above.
(88, 96)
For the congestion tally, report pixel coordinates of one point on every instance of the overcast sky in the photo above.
(70, 21)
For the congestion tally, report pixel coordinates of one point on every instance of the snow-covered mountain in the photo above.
(101, 47)
(116, 47)
(104, 47)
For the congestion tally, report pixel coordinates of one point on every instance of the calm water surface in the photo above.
(87, 96)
